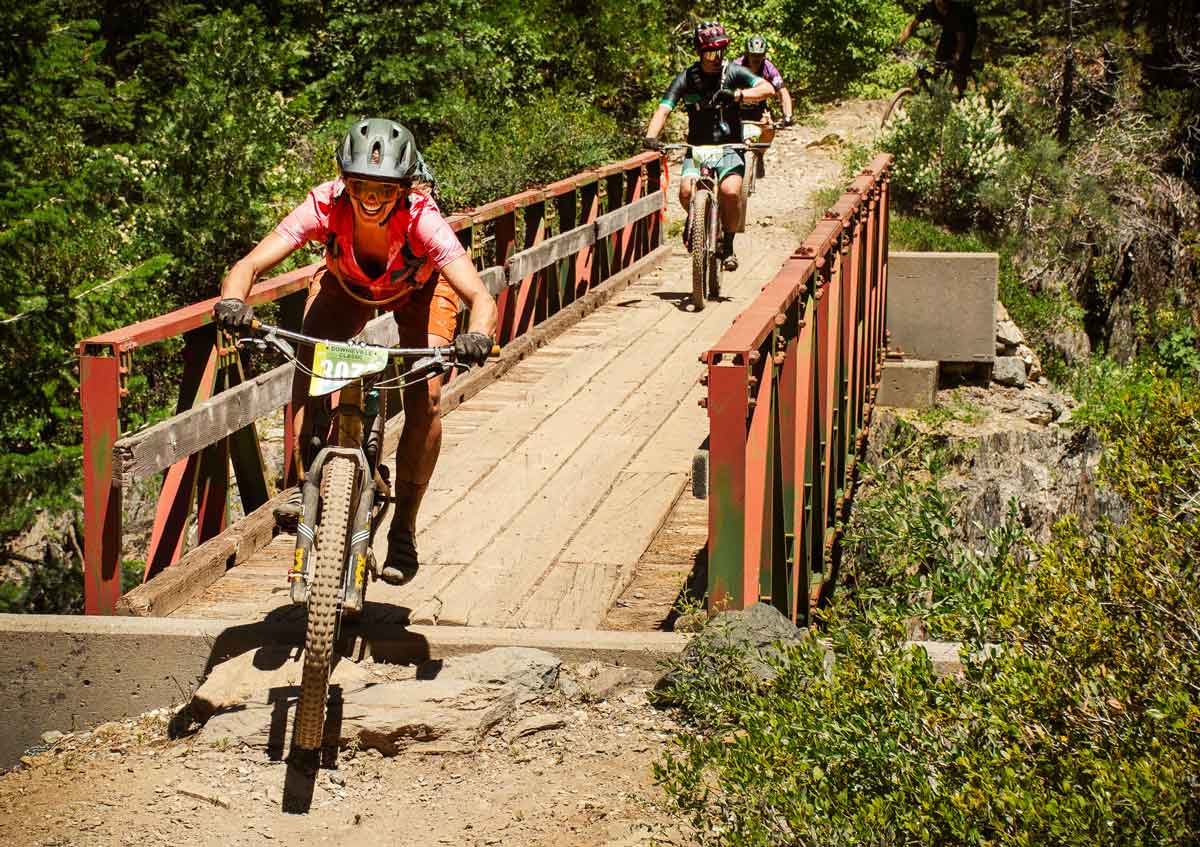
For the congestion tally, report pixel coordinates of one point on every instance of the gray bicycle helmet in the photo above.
(379, 149)
(756, 45)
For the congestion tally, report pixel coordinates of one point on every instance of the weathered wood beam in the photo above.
(520, 265)
(157, 447)
(202, 566)
(619, 218)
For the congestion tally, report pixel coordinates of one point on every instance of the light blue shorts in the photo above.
(731, 162)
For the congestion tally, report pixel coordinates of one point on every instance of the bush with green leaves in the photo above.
(947, 149)
(1078, 725)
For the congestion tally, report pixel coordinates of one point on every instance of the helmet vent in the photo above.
(376, 153)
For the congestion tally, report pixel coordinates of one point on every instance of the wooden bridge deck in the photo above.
(554, 480)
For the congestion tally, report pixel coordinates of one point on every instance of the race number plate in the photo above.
(336, 364)
(707, 154)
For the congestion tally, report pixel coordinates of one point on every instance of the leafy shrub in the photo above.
(946, 150)
(1080, 725)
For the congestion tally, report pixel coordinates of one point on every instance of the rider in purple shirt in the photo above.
(755, 58)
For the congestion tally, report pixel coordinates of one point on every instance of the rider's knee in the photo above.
(731, 186)
(424, 403)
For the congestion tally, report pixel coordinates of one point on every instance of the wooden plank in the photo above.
(521, 265)
(559, 480)
(506, 570)
(147, 452)
(442, 516)
(203, 565)
(599, 563)
(620, 218)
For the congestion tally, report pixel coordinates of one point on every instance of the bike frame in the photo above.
(358, 410)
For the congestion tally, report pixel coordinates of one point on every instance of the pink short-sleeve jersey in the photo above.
(420, 242)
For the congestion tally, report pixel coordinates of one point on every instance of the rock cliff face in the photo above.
(1008, 444)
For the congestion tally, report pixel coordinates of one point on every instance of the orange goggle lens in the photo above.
(366, 187)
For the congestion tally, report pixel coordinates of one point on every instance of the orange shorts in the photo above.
(330, 312)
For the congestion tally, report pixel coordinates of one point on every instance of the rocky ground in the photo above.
(503, 748)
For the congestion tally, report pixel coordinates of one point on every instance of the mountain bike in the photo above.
(345, 492)
(704, 218)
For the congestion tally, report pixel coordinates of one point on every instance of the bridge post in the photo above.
(530, 293)
(728, 408)
(99, 398)
(585, 262)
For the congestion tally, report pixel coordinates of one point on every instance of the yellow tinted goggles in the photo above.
(369, 187)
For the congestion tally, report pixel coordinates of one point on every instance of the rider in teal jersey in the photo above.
(712, 90)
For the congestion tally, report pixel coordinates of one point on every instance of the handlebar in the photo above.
(269, 331)
(729, 146)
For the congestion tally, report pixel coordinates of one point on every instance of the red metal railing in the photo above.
(790, 391)
(541, 250)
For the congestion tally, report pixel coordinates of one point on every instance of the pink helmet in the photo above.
(710, 35)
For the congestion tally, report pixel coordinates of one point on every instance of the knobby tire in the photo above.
(714, 263)
(329, 555)
(701, 252)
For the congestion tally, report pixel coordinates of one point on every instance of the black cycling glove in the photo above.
(473, 348)
(232, 314)
(652, 143)
(723, 97)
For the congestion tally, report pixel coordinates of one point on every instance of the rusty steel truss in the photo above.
(539, 251)
(791, 386)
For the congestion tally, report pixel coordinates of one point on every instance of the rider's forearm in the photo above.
(658, 121)
(465, 280)
(483, 314)
(245, 271)
(759, 92)
(785, 100)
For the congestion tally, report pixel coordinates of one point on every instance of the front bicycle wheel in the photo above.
(325, 581)
(701, 251)
(894, 106)
(714, 263)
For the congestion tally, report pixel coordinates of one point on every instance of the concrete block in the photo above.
(1009, 370)
(942, 306)
(908, 384)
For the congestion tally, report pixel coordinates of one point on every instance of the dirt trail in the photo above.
(585, 782)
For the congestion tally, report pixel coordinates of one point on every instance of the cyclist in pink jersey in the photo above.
(387, 247)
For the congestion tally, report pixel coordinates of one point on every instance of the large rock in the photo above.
(528, 672)
(438, 715)
(450, 705)
(261, 677)
(753, 634)
(1072, 343)
(1008, 337)
(1009, 370)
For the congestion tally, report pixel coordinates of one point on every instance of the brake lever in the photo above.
(270, 340)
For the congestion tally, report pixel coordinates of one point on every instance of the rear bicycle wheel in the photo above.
(701, 251)
(328, 557)
(894, 107)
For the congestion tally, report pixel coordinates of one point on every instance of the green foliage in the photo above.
(821, 47)
(506, 152)
(946, 151)
(903, 564)
(1078, 725)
